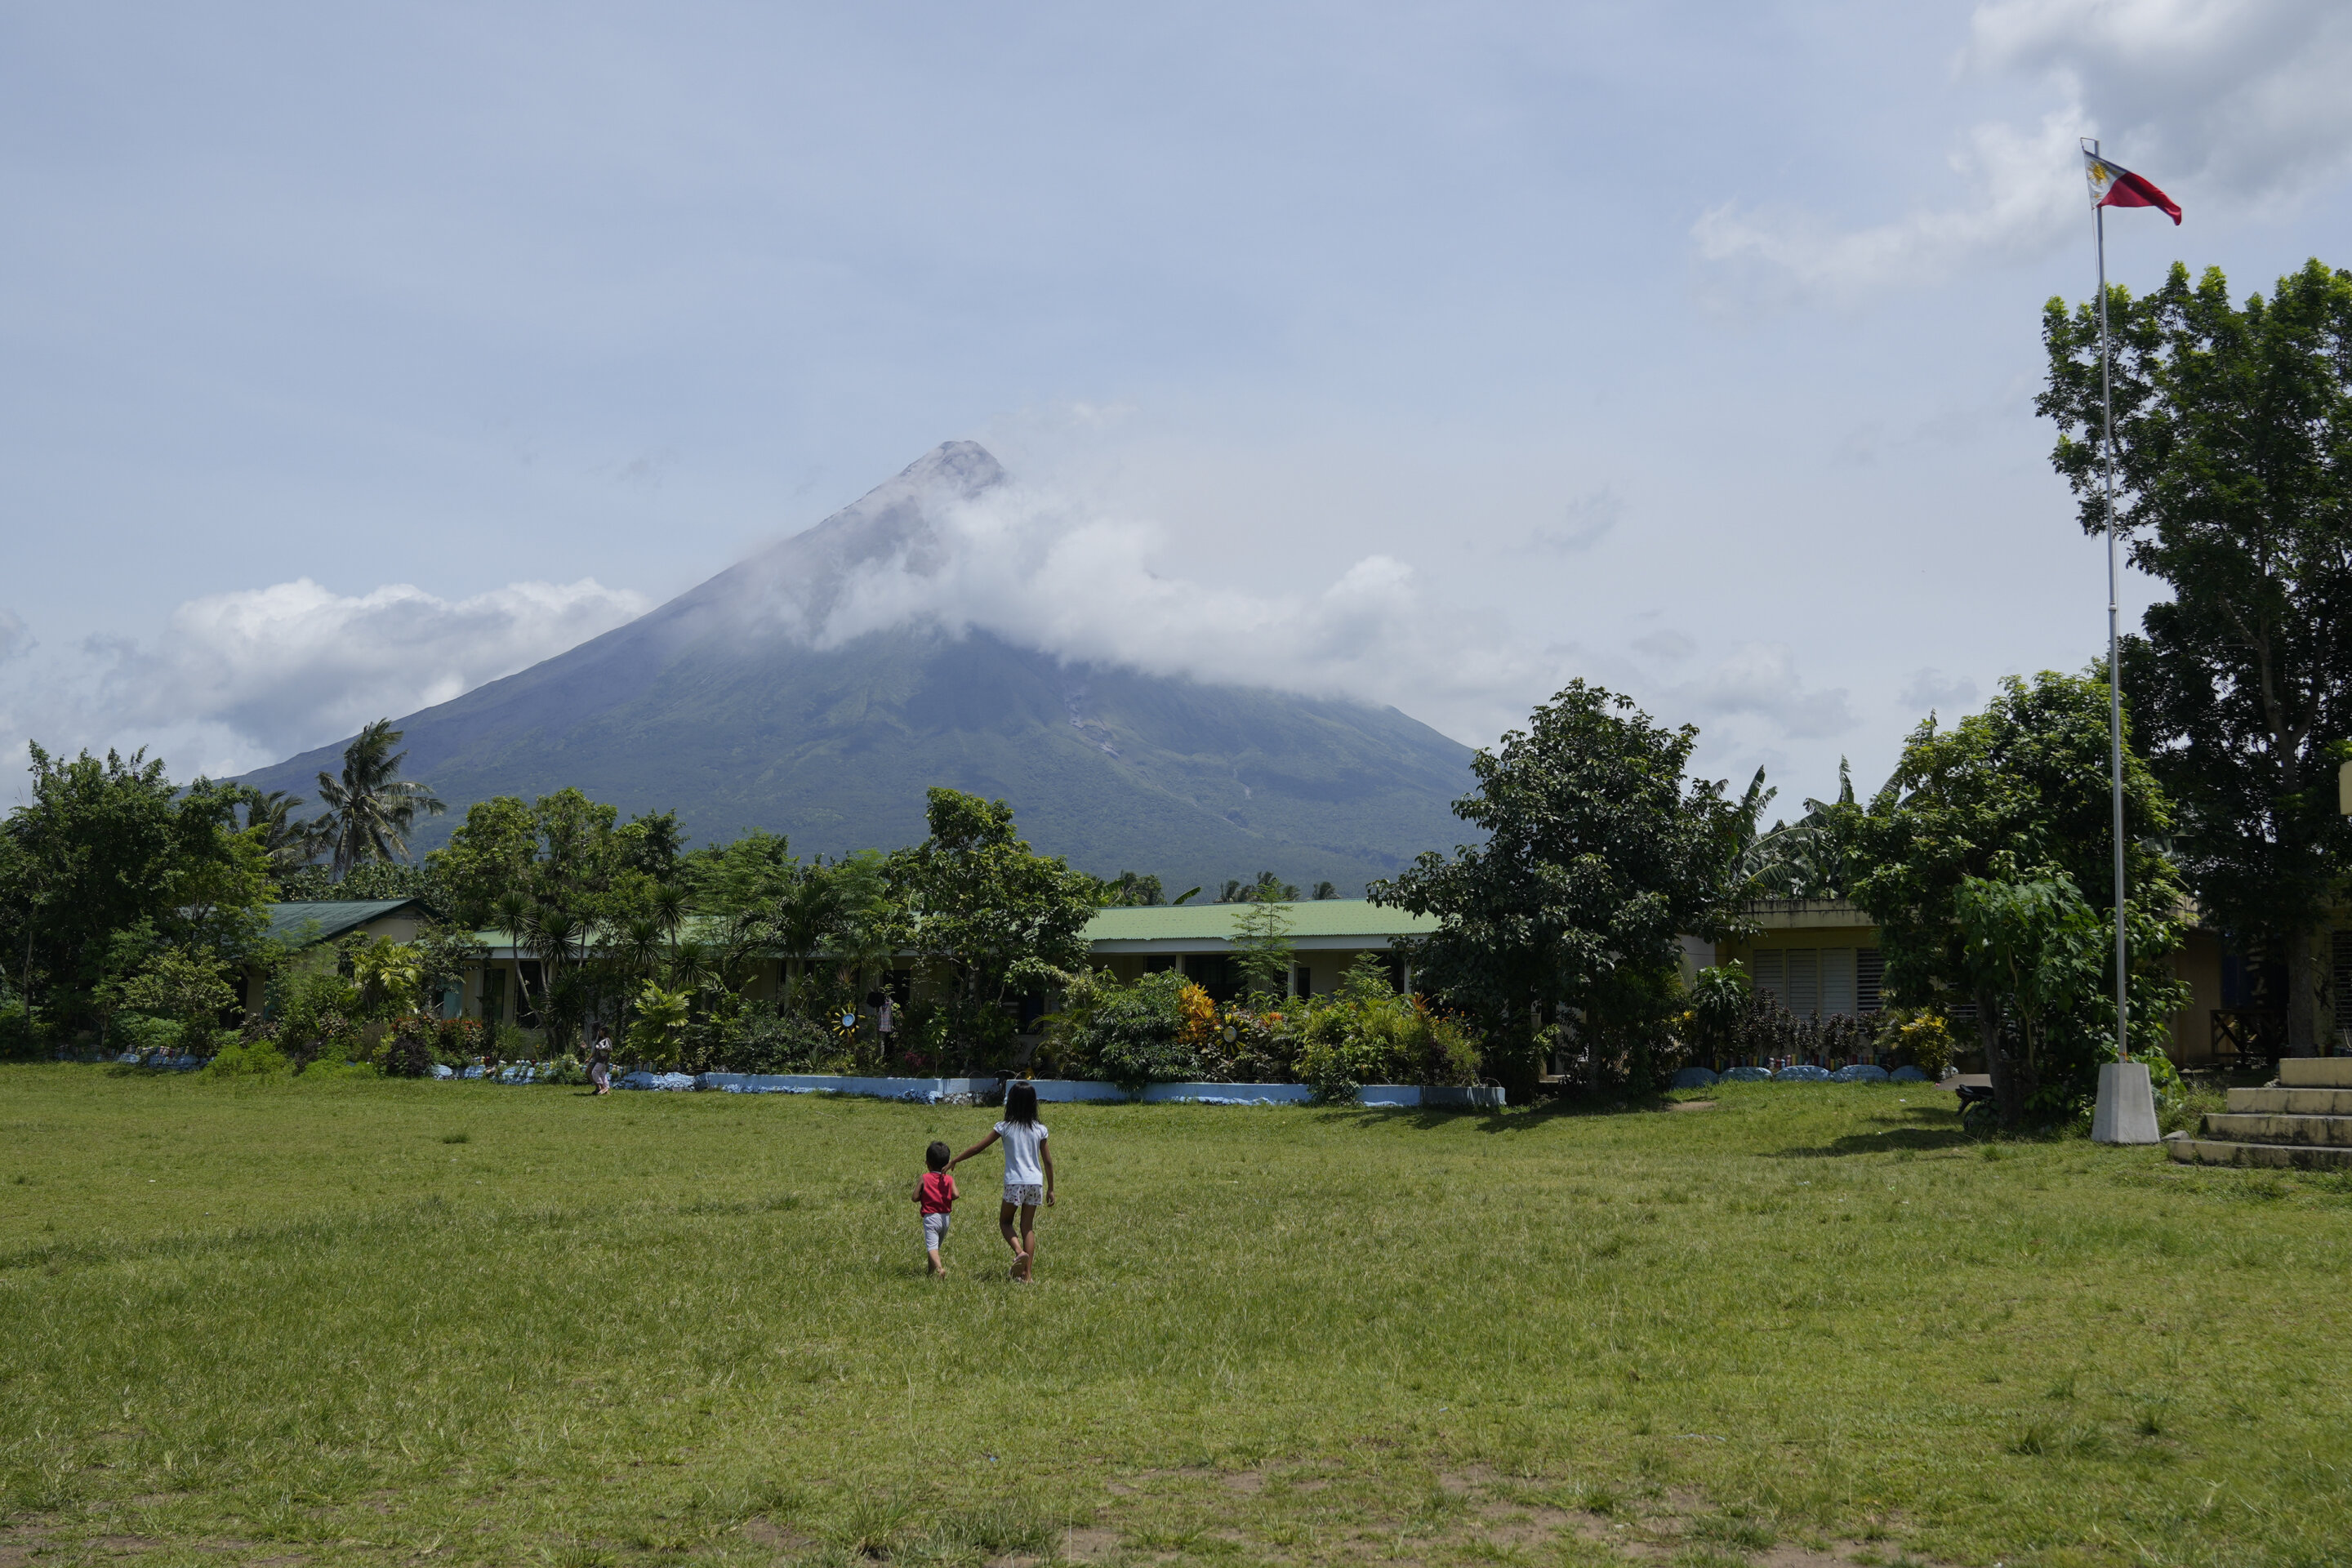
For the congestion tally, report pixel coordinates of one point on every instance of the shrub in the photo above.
(1149, 1032)
(412, 1047)
(311, 1015)
(1919, 1035)
(773, 1041)
(257, 1058)
(1382, 1038)
(23, 1031)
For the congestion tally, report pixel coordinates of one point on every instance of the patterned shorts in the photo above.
(1027, 1195)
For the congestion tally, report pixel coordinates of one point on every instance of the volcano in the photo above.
(731, 705)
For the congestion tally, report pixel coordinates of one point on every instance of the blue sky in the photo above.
(349, 358)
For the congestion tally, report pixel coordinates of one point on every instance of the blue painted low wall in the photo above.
(944, 1091)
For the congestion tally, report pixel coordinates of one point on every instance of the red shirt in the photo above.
(938, 1193)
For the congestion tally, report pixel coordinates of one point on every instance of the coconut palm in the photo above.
(369, 812)
(290, 844)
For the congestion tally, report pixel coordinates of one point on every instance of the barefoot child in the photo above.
(1028, 1173)
(936, 1193)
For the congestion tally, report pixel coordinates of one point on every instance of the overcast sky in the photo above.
(350, 357)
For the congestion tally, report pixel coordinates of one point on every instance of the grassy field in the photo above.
(395, 1323)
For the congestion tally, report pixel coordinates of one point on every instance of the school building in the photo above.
(1819, 957)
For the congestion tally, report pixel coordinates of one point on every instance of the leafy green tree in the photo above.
(1261, 942)
(658, 1031)
(1597, 859)
(101, 848)
(2234, 474)
(391, 978)
(2037, 947)
(369, 879)
(2016, 795)
(1720, 998)
(371, 808)
(562, 874)
(1001, 920)
(1132, 890)
(289, 842)
(1807, 859)
(191, 989)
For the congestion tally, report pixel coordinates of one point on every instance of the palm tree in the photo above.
(290, 844)
(370, 812)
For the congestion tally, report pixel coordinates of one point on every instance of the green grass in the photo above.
(411, 1322)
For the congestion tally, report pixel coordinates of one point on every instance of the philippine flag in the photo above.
(2113, 185)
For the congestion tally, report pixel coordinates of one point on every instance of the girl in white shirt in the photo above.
(1028, 1173)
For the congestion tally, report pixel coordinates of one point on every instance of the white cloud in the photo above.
(1760, 680)
(1669, 645)
(15, 636)
(236, 679)
(1931, 688)
(2238, 103)
(2246, 97)
(2026, 187)
(1042, 572)
(1584, 523)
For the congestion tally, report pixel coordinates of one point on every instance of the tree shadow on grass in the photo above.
(1514, 1118)
(1946, 1134)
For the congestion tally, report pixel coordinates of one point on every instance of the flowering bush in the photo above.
(1350, 1042)
(1165, 1029)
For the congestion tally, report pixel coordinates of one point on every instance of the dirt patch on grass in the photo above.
(1087, 1544)
(1691, 1105)
(1503, 1515)
(767, 1532)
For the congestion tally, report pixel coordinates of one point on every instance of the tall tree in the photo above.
(1598, 857)
(112, 846)
(289, 841)
(2233, 471)
(372, 808)
(562, 875)
(999, 918)
(1261, 941)
(2017, 795)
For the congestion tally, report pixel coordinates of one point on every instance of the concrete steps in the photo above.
(2291, 1102)
(2304, 1120)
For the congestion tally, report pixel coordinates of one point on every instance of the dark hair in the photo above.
(937, 1155)
(1020, 1104)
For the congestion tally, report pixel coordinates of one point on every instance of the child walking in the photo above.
(1028, 1174)
(936, 1194)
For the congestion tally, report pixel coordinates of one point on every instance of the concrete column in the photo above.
(2125, 1111)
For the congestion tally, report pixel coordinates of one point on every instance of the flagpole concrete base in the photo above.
(2125, 1112)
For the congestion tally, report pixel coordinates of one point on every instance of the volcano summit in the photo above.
(810, 691)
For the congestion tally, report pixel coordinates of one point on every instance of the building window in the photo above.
(1816, 982)
(1869, 975)
(1214, 973)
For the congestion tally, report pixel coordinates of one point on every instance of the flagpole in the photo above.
(2114, 641)
(2125, 1111)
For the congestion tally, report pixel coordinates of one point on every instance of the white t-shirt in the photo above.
(1021, 1139)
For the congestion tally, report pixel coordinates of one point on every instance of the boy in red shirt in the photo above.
(936, 1193)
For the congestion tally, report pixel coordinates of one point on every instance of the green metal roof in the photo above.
(324, 922)
(1215, 922)
(1205, 925)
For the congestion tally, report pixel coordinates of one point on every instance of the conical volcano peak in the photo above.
(966, 468)
(794, 585)
(820, 687)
